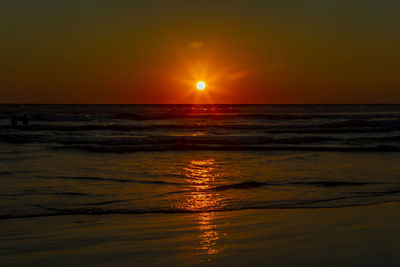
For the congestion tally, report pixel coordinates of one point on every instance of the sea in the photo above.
(132, 161)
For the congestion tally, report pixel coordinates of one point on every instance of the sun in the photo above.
(201, 85)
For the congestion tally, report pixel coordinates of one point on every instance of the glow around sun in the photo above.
(201, 85)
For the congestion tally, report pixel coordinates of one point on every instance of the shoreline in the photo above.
(335, 236)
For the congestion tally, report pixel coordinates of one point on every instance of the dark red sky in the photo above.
(150, 51)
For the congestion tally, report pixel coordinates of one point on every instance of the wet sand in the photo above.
(352, 236)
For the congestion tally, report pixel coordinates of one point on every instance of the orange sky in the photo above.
(155, 51)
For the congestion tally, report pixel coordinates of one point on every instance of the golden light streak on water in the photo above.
(201, 174)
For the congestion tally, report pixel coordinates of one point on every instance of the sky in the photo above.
(155, 51)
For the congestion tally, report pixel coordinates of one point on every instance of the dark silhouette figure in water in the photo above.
(25, 119)
(14, 120)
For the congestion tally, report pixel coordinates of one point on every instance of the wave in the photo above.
(69, 194)
(209, 140)
(80, 178)
(149, 142)
(214, 133)
(25, 193)
(259, 116)
(347, 125)
(242, 185)
(367, 199)
(149, 115)
(102, 179)
(85, 113)
(103, 202)
(256, 142)
(255, 184)
(204, 147)
(245, 185)
(249, 185)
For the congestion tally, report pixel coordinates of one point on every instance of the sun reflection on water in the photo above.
(201, 175)
(209, 234)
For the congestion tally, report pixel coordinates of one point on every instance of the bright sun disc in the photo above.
(201, 85)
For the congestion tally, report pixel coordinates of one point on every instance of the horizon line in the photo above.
(200, 103)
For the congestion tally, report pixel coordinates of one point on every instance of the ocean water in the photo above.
(128, 159)
(205, 160)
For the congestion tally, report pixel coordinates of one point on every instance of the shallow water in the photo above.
(353, 236)
(38, 183)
